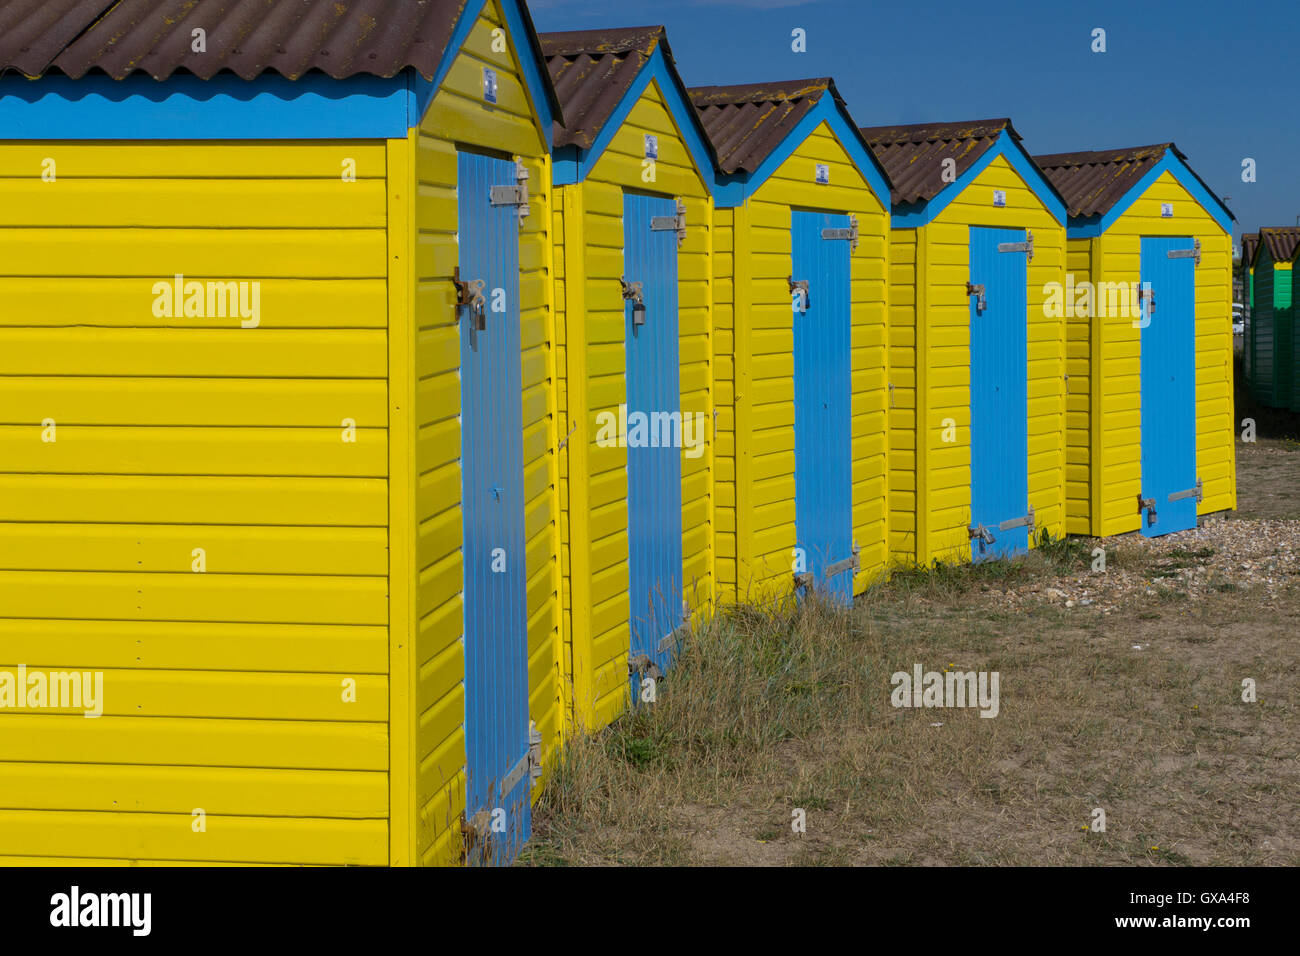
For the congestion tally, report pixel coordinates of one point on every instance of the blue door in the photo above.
(492, 489)
(823, 396)
(999, 396)
(654, 446)
(1168, 324)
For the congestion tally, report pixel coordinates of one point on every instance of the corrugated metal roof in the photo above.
(745, 123)
(913, 155)
(1249, 243)
(591, 70)
(1280, 241)
(248, 37)
(1093, 181)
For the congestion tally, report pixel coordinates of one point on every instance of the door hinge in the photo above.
(851, 233)
(850, 563)
(1193, 253)
(1027, 247)
(978, 292)
(470, 293)
(633, 292)
(799, 287)
(1149, 506)
(1025, 521)
(675, 223)
(530, 764)
(516, 195)
(1188, 493)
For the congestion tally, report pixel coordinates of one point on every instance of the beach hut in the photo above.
(276, 353)
(632, 246)
(1273, 361)
(801, 255)
(976, 353)
(1249, 240)
(1148, 306)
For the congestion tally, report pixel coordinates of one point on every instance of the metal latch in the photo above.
(1026, 247)
(1149, 506)
(803, 579)
(1188, 493)
(848, 564)
(632, 292)
(798, 293)
(516, 195)
(641, 664)
(470, 293)
(1193, 253)
(675, 223)
(978, 291)
(1147, 295)
(851, 233)
(981, 534)
(1026, 521)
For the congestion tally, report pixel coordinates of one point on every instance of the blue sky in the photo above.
(1220, 84)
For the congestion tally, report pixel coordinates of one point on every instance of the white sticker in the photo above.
(489, 85)
(1166, 210)
(999, 197)
(823, 174)
(651, 147)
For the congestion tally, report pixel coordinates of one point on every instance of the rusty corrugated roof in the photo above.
(248, 37)
(1249, 243)
(745, 123)
(1280, 241)
(1093, 181)
(592, 69)
(913, 155)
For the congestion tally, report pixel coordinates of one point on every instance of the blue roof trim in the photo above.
(912, 215)
(185, 107)
(573, 166)
(1092, 226)
(733, 190)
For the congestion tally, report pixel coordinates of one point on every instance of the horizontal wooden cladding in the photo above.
(348, 794)
(64, 643)
(218, 694)
(162, 450)
(285, 160)
(195, 742)
(149, 596)
(102, 400)
(228, 254)
(323, 502)
(90, 301)
(230, 839)
(233, 352)
(162, 548)
(193, 203)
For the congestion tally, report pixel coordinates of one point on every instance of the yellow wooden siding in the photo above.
(943, 378)
(223, 690)
(1079, 396)
(509, 126)
(1116, 374)
(724, 401)
(904, 518)
(594, 381)
(759, 501)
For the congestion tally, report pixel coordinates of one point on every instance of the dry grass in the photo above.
(769, 710)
